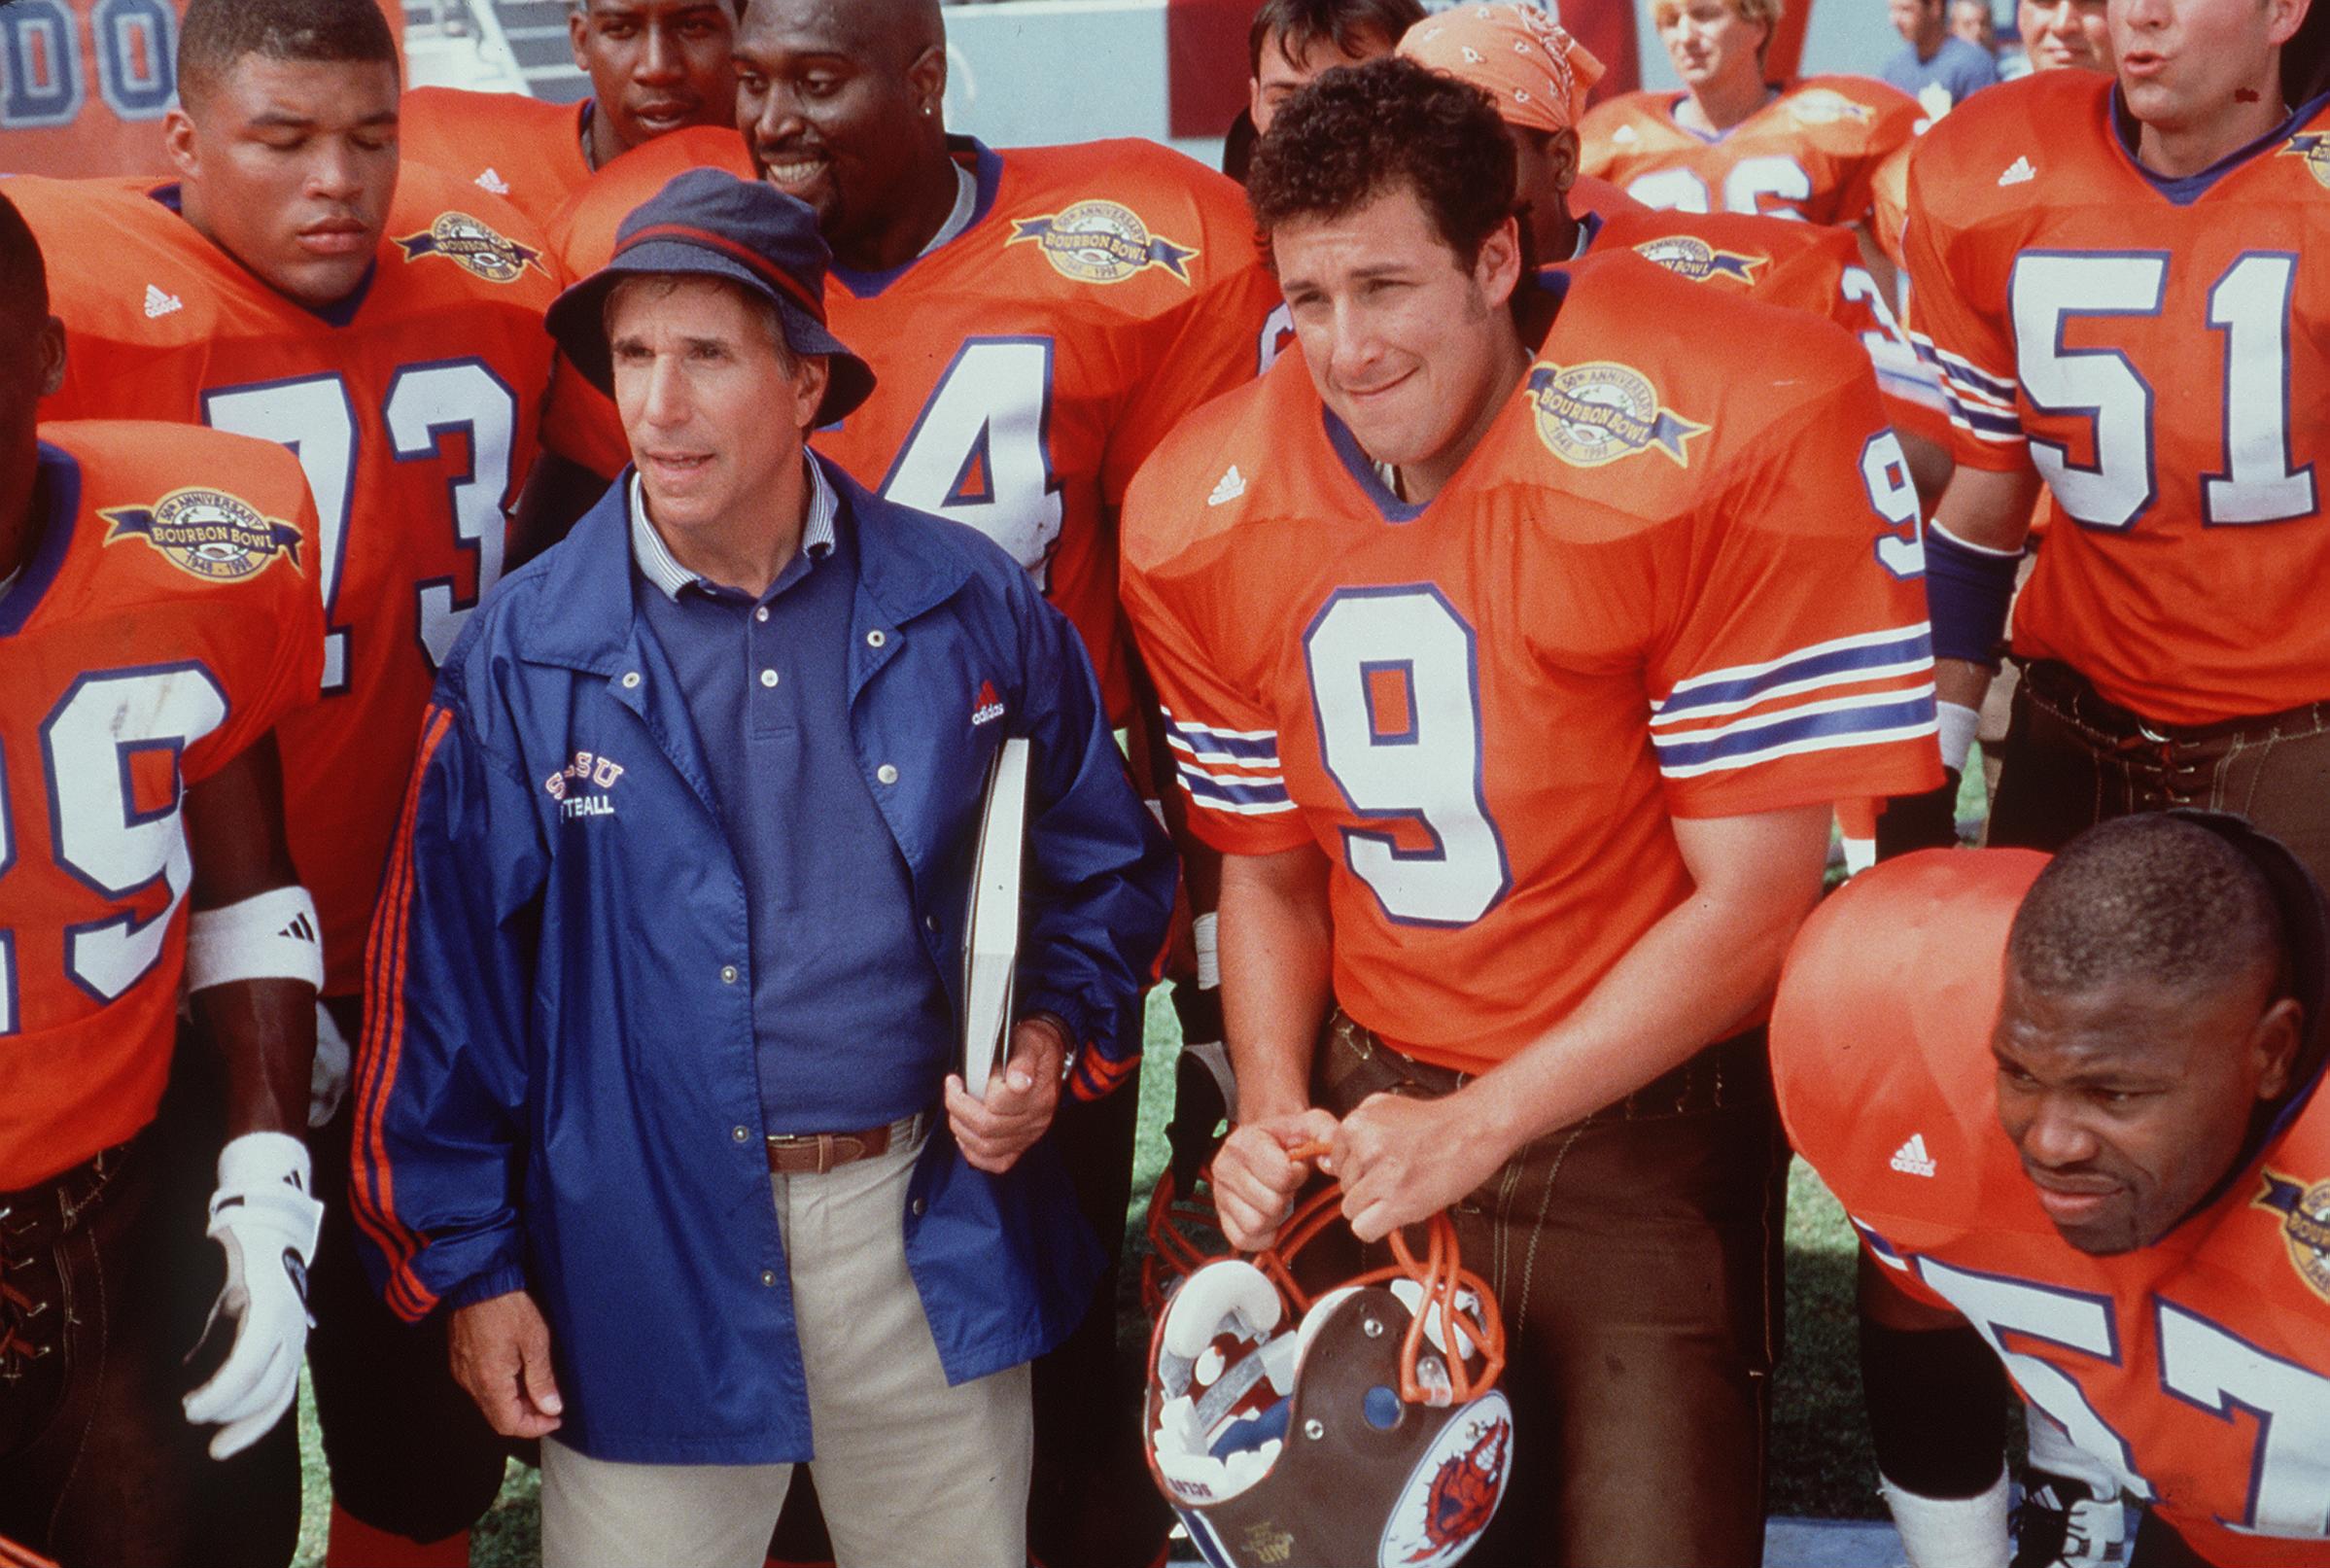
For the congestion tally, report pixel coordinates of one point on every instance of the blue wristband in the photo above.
(1967, 592)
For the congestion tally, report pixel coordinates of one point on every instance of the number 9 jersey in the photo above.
(1681, 575)
(412, 407)
(167, 620)
(2158, 351)
(2197, 1368)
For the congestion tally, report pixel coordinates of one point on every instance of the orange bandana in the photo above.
(1521, 56)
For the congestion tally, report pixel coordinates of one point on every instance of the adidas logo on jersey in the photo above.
(491, 180)
(159, 303)
(1624, 133)
(2018, 172)
(988, 707)
(1911, 1158)
(1232, 486)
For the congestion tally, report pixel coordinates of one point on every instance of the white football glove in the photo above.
(328, 1083)
(263, 1216)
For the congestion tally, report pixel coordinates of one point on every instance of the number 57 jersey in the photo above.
(412, 408)
(2197, 1368)
(1678, 578)
(2160, 353)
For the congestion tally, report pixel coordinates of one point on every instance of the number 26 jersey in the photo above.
(1681, 575)
(413, 409)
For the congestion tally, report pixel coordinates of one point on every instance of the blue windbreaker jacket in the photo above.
(556, 1087)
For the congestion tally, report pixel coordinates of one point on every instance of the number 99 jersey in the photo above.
(1680, 576)
(2157, 351)
(2197, 1368)
(412, 408)
(166, 619)
(1812, 152)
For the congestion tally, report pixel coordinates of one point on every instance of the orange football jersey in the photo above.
(413, 410)
(1027, 367)
(166, 619)
(2198, 1369)
(2157, 351)
(524, 149)
(1811, 152)
(1680, 576)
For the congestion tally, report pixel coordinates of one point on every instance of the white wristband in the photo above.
(1951, 1532)
(1205, 938)
(1957, 724)
(264, 1179)
(267, 936)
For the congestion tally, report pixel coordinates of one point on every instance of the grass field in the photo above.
(1821, 1461)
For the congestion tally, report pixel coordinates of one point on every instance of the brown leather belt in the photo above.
(813, 1153)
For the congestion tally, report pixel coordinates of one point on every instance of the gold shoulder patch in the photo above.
(473, 247)
(2305, 1212)
(1101, 242)
(207, 534)
(1601, 412)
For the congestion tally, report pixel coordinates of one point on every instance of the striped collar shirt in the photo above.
(656, 562)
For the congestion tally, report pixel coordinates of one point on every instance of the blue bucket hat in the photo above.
(707, 223)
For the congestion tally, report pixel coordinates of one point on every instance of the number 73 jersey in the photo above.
(412, 408)
(1681, 575)
(2197, 1368)
(2161, 354)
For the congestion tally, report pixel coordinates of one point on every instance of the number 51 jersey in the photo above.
(413, 409)
(167, 620)
(2198, 1369)
(1678, 576)
(2159, 352)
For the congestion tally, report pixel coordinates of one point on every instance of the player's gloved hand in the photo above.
(264, 1218)
(327, 1082)
(2064, 1523)
(2071, 1516)
(1923, 822)
(1205, 1091)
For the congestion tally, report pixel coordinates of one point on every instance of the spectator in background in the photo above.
(1971, 21)
(1934, 66)
(1293, 41)
(2060, 33)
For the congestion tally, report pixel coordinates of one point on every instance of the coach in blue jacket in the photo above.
(675, 923)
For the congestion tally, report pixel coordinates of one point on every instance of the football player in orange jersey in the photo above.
(1290, 42)
(2074, 1109)
(1038, 319)
(656, 66)
(157, 619)
(389, 331)
(2107, 280)
(1513, 656)
(1731, 141)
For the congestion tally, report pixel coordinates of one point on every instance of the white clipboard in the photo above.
(991, 943)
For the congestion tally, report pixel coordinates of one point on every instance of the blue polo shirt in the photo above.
(1959, 68)
(852, 1026)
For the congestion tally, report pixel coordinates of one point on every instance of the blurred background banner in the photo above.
(83, 84)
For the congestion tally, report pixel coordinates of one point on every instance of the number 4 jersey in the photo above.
(1680, 576)
(1025, 366)
(2157, 350)
(166, 619)
(2198, 1369)
(412, 408)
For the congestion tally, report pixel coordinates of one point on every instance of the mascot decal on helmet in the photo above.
(1273, 1414)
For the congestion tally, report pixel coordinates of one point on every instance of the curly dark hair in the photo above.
(1360, 130)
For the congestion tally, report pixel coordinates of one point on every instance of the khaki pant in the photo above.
(913, 1474)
